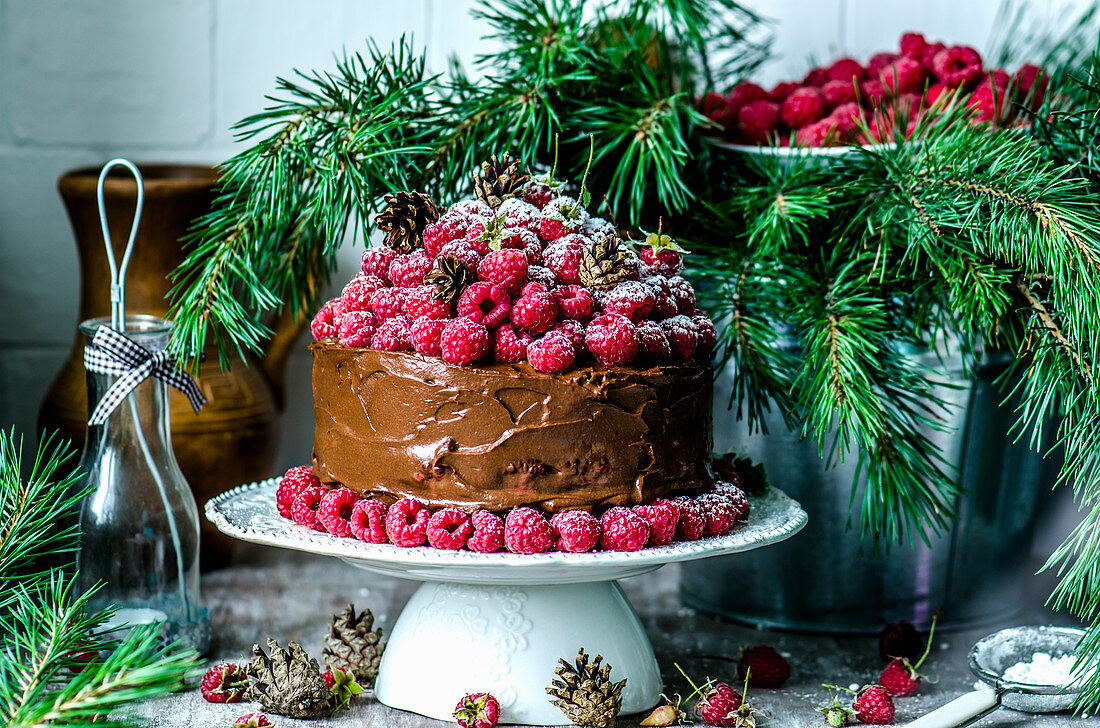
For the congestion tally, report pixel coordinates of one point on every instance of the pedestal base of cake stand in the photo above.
(455, 639)
(499, 622)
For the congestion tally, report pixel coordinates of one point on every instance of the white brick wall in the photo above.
(81, 82)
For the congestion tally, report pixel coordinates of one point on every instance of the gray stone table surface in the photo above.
(289, 596)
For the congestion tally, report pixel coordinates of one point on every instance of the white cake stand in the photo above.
(499, 622)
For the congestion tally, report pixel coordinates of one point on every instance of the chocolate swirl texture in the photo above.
(496, 436)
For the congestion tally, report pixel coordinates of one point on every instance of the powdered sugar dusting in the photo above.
(1042, 669)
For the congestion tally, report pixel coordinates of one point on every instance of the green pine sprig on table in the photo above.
(48, 633)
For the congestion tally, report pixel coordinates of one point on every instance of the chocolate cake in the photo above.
(494, 436)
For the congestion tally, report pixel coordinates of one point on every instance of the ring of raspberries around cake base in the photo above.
(409, 522)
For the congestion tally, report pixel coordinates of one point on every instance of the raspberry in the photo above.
(449, 528)
(612, 339)
(683, 336)
(957, 66)
(484, 231)
(357, 328)
(368, 520)
(376, 262)
(662, 261)
(386, 303)
(506, 268)
(563, 257)
(872, 93)
(444, 230)
(737, 497)
(873, 705)
(561, 216)
(422, 303)
(510, 346)
(392, 335)
(356, 294)
(990, 103)
(293, 482)
(538, 193)
(518, 212)
(802, 107)
(407, 522)
(693, 520)
(664, 305)
(408, 270)
(912, 45)
(632, 299)
(816, 77)
(720, 512)
(999, 78)
(253, 720)
(488, 535)
(683, 293)
(847, 118)
(899, 678)
(708, 334)
(424, 335)
(540, 274)
(903, 75)
(303, 509)
(652, 342)
(782, 90)
(900, 639)
(575, 302)
(623, 530)
(596, 229)
(225, 683)
(461, 250)
(757, 119)
(928, 54)
(662, 515)
(835, 93)
(821, 133)
(553, 353)
(477, 710)
(575, 531)
(335, 511)
(763, 666)
(1030, 84)
(526, 531)
(716, 107)
(741, 94)
(844, 70)
(720, 706)
(485, 303)
(463, 341)
(573, 331)
(470, 208)
(878, 62)
(535, 310)
(326, 323)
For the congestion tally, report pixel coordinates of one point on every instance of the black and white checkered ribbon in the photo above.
(113, 353)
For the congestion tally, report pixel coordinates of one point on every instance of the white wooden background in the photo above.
(82, 81)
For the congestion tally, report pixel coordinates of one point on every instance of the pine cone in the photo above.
(604, 264)
(499, 179)
(351, 645)
(404, 219)
(585, 693)
(450, 277)
(287, 683)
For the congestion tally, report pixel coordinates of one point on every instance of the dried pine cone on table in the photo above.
(287, 682)
(351, 645)
(499, 179)
(404, 219)
(585, 693)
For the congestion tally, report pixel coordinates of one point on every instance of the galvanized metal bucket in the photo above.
(822, 580)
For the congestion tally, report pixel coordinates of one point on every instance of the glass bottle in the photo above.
(140, 524)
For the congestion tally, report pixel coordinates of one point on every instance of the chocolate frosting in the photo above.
(495, 436)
